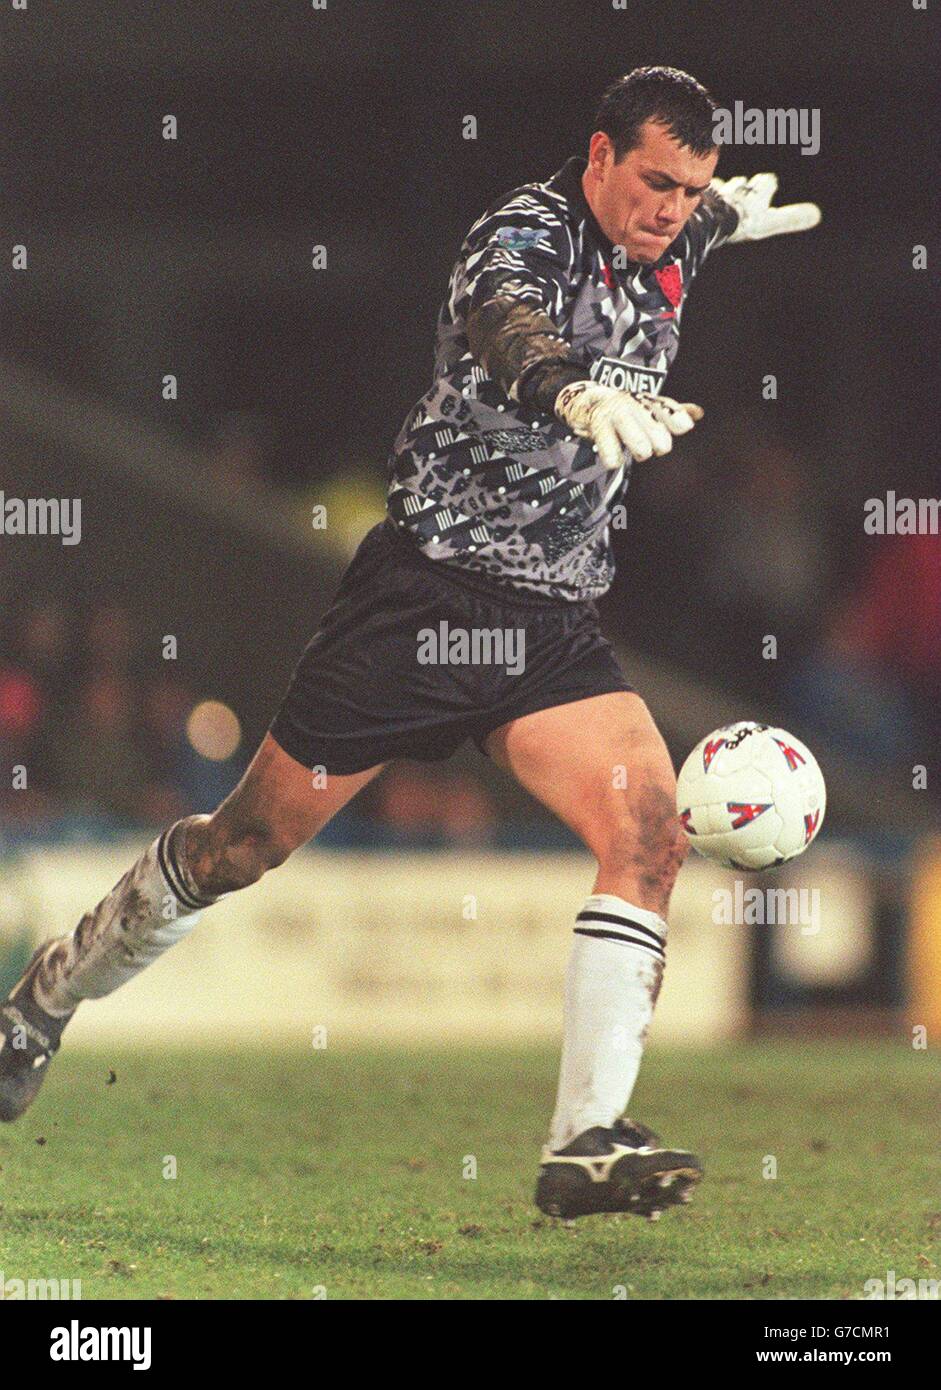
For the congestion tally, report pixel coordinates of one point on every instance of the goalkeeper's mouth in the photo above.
(665, 237)
(650, 246)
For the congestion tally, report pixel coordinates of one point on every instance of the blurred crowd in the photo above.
(778, 597)
(95, 737)
(90, 729)
(94, 728)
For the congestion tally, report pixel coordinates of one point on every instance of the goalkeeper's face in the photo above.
(644, 201)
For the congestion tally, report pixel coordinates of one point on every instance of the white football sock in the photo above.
(152, 907)
(614, 976)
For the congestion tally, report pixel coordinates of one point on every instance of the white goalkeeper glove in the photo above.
(618, 422)
(751, 199)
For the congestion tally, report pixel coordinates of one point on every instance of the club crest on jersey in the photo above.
(627, 376)
(522, 238)
(670, 280)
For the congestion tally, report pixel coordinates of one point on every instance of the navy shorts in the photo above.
(389, 674)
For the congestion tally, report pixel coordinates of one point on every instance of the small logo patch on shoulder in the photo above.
(523, 238)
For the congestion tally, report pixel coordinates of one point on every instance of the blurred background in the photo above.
(139, 669)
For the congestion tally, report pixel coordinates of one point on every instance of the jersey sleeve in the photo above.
(713, 222)
(511, 287)
(521, 250)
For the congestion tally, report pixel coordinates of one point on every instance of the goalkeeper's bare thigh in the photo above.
(603, 768)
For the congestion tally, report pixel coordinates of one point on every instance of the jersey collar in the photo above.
(568, 182)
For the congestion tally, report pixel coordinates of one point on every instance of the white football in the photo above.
(751, 797)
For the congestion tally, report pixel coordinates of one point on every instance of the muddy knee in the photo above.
(225, 855)
(644, 842)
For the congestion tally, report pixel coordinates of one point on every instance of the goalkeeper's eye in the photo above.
(667, 186)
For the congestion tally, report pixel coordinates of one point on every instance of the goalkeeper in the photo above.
(561, 322)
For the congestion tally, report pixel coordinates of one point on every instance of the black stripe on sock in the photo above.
(171, 873)
(619, 936)
(589, 915)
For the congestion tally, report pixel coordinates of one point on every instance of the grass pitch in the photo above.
(346, 1175)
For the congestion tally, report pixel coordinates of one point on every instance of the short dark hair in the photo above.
(666, 95)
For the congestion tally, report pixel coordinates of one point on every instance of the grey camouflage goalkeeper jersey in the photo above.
(498, 486)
